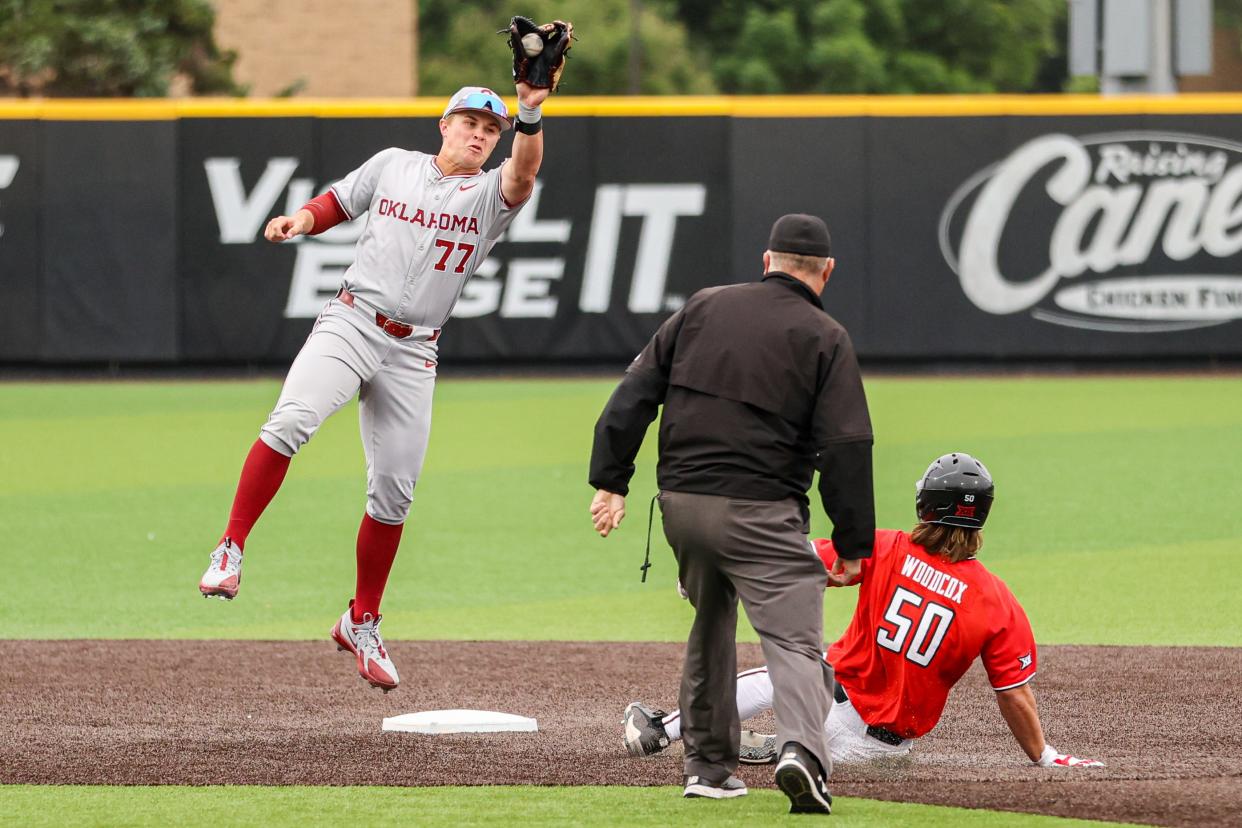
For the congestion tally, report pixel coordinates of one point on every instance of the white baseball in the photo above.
(532, 44)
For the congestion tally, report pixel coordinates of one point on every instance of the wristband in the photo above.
(528, 129)
(325, 213)
(529, 114)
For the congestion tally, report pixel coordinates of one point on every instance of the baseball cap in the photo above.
(801, 234)
(479, 99)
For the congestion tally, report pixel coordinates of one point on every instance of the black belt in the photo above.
(880, 734)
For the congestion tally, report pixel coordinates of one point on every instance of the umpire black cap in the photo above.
(800, 234)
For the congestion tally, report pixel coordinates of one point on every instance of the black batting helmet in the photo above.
(956, 490)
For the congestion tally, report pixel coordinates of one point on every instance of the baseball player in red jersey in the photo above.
(432, 219)
(927, 608)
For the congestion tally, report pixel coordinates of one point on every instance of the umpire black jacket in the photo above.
(760, 388)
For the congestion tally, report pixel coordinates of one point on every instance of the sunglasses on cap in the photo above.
(481, 101)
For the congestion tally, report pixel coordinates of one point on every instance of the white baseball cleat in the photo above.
(223, 578)
(363, 640)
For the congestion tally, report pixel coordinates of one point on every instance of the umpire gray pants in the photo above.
(757, 550)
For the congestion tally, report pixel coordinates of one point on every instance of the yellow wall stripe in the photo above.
(776, 106)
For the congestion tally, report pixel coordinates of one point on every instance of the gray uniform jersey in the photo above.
(425, 236)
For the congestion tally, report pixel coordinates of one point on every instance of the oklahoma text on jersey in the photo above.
(430, 220)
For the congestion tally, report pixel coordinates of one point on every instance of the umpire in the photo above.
(760, 388)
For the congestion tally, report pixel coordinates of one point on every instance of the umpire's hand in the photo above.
(607, 511)
(844, 572)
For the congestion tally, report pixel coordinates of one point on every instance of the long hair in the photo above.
(950, 542)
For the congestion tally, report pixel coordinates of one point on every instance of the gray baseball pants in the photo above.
(756, 550)
(347, 354)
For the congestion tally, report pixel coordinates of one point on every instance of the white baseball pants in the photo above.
(847, 732)
(347, 354)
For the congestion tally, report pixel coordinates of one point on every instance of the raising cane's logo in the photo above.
(1141, 230)
(9, 165)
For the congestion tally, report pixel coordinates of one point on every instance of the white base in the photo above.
(459, 721)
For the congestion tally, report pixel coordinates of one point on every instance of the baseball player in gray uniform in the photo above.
(431, 221)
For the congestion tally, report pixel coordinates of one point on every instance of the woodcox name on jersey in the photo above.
(933, 579)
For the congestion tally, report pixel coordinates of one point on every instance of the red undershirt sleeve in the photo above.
(327, 211)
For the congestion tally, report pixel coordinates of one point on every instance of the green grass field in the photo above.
(1114, 496)
(1116, 522)
(500, 806)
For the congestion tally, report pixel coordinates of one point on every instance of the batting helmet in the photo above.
(956, 490)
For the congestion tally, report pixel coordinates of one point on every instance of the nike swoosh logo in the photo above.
(429, 364)
(465, 187)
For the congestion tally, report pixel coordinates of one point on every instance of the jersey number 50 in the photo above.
(448, 246)
(932, 624)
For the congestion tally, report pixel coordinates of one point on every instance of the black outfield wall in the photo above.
(976, 235)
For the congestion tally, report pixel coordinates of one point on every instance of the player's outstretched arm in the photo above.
(1018, 708)
(517, 178)
(283, 228)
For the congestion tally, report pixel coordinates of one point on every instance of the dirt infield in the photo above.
(283, 713)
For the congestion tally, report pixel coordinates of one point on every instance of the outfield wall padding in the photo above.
(1012, 229)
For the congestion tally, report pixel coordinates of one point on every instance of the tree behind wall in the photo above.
(765, 46)
(875, 46)
(1229, 16)
(120, 48)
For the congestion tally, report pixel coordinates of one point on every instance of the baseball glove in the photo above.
(539, 52)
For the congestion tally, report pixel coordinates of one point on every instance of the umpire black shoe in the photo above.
(697, 786)
(798, 775)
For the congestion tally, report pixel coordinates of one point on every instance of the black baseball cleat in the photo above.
(798, 776)
(644, 730)
(757, 748)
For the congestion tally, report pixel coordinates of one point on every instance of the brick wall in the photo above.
(336, 48)
(1226, 66)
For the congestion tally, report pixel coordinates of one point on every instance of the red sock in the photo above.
(261, 476)
(377, 549)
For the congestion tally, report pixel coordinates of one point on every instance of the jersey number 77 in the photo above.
(910, 611)
(448, 247)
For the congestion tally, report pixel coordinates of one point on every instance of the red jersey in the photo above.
(919, 623)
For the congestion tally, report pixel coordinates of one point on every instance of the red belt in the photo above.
(395, 329)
